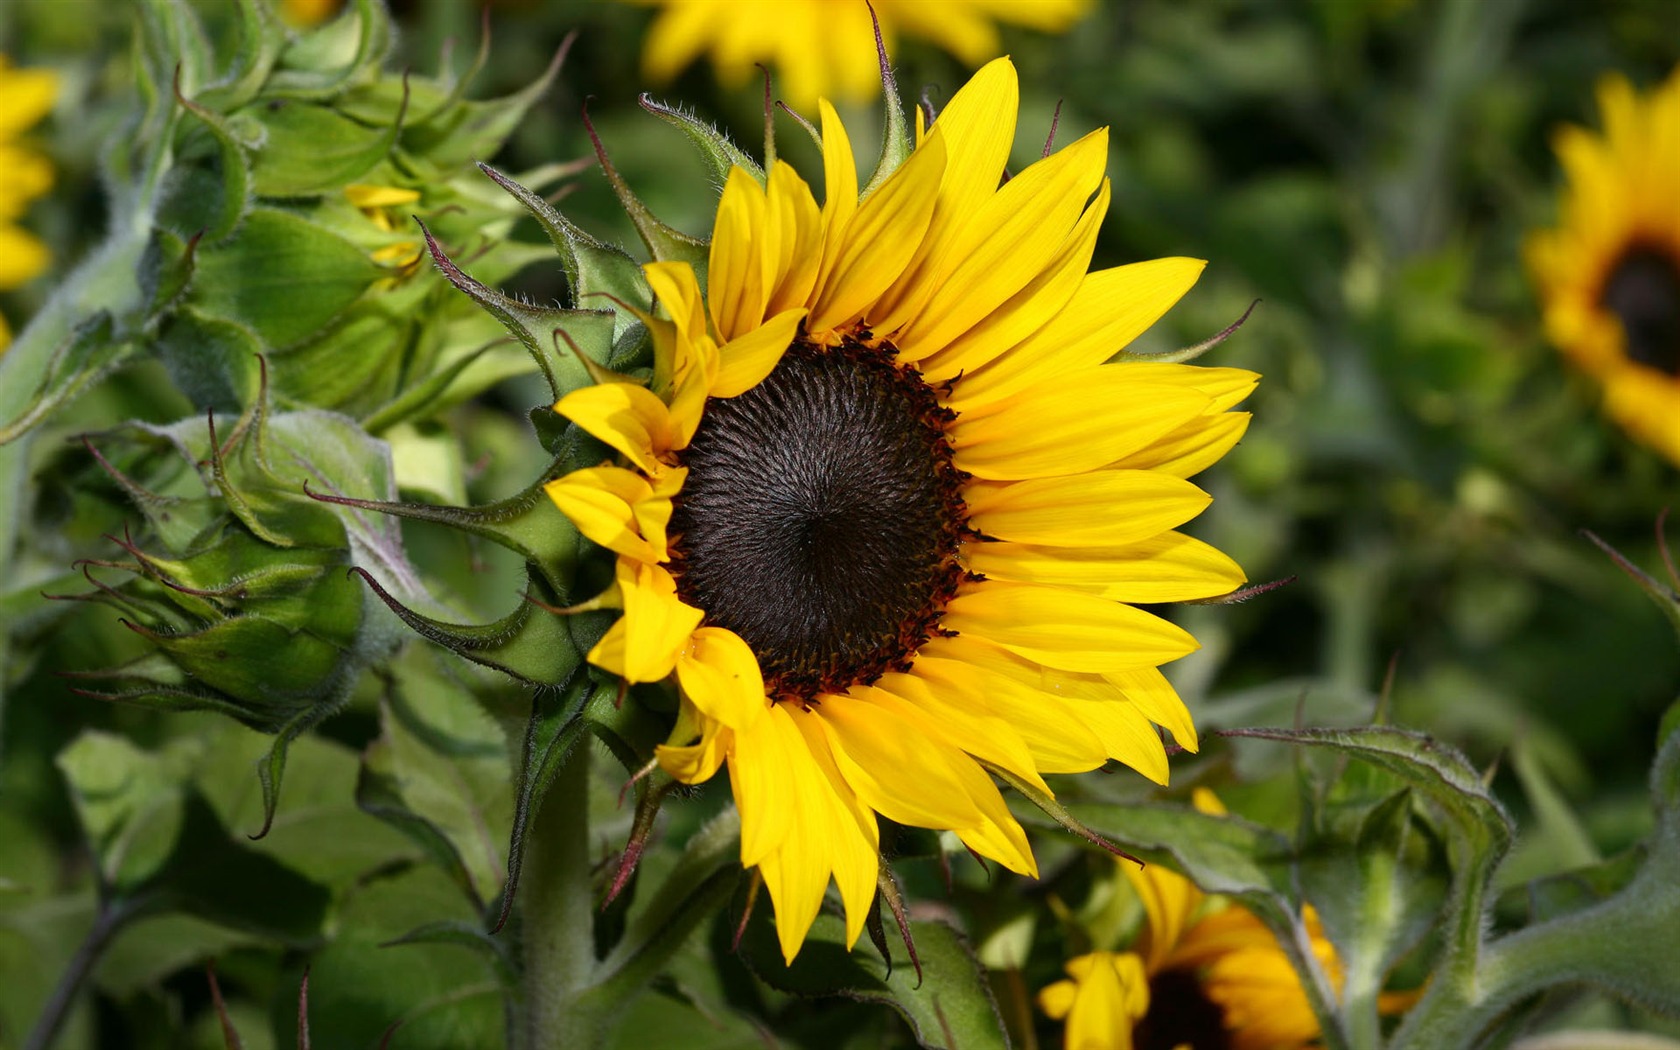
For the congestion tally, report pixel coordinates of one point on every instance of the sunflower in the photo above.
(1205, 975)
(26, 96)
(1609, 275)
(883, 504)
(825, 47)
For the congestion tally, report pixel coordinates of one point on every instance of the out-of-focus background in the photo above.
(1421, 460)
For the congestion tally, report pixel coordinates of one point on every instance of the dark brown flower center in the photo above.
(1181, 1014)
(821, 516)
(1643, 290)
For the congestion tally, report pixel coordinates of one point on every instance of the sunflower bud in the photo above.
(243, 590)
(270, 210)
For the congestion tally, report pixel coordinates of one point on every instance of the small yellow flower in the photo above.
(26, 96)
(1204, 973)
(306, 14)
(377, 204)
(885, 504)
(826, 47)
(1609, 274)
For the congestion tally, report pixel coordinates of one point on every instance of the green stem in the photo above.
(557, 904)
(112, 917)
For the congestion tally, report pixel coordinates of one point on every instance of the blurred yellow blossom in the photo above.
(826, 47)
(26, 96)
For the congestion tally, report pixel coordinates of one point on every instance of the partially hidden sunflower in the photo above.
(883, 507)
(1609, 274)
(1205, 974)
(26, 97)
(824, 47)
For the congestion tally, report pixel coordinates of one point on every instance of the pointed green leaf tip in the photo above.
(663, 242)
(716, 150)
(895, 142)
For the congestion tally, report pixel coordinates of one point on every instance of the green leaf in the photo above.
(282, 276)
(87, 353)
(130, 802)
(309, 149)
(950, 1007)
(447, 995)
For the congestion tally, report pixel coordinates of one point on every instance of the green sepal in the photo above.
(716, 150)
(460, 133)
(950, 1007)
(528, 524)
(310, 149)
(261, 38)
(665, 243)
(166, 270)
(592, 269)
(529, 643)
(312, 65)
(212, 360)
(896, 141)
(283, 277)
(209, 188)
(536, 326)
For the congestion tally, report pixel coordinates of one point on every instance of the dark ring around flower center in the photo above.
(821, 516)
(1643, 291)
(1180, 1014)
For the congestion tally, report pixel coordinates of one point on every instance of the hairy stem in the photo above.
(558, 910)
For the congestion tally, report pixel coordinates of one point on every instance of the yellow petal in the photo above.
(28, 95)
(1111, 997)
(978, 126)
(956, 697)
(1170, 567)
(744, 362)
(1155, 697)
(1055, 742)
(616, 508)
(840, 187)
(891, 766)
(625, 416)
(1225, 386)
(1169, 902)
(1191, 448)
(1110, 309)
(720, 674)
(364, 196)
(1065, 629)
(798, 221)
(880, 239)
(1029, 309)
(678, 291)
(1069, 425)
(828, 835)
(1105, 508)
(22, 256)
(1127, 736)
(763, 774)
(739, 273)
(643, 644)
(1009, 242)
(694, 763)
